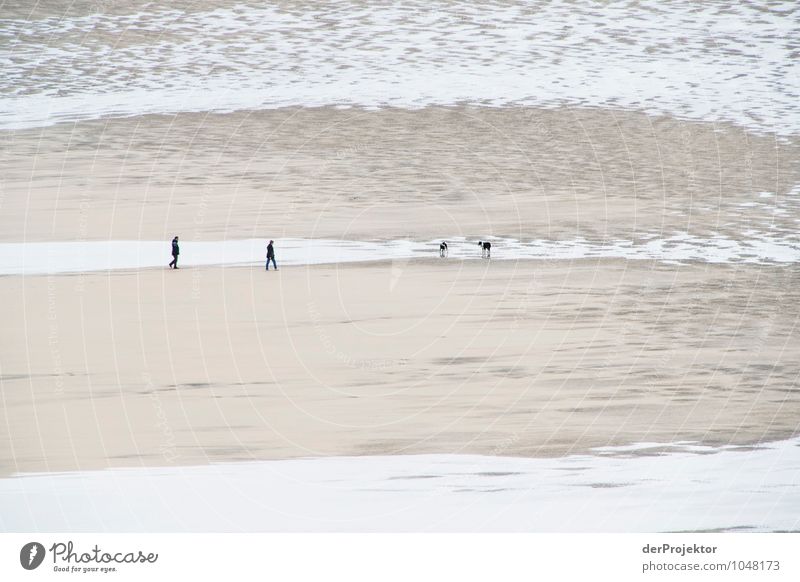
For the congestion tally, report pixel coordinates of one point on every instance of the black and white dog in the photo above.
(443, 249)
(486, 249)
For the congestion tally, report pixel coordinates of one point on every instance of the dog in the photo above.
(443, 251)
(486, 249)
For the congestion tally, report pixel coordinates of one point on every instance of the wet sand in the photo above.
(528, 358)
(395, 174)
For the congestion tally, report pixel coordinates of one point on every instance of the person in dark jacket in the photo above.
(175, 252)
(271, 256)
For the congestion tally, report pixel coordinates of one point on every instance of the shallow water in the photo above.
(74, 257)
(647, 487)
(721, 61)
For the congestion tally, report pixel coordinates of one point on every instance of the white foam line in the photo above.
(709, 489)
(87, 256)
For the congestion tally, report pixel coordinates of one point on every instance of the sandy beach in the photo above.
(523, 358)
(528, 358)
(635, 166)
(395, 174)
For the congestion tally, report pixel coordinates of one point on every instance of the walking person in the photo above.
(175, 252)
(271, 256)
